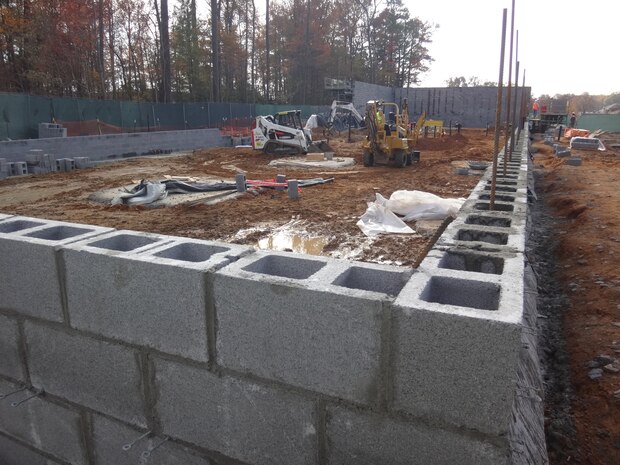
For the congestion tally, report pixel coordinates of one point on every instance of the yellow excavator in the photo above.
(392, 140)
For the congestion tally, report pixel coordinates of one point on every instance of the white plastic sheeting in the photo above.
(419, 205)
(380, 217)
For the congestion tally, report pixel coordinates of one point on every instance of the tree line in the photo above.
(239, 51)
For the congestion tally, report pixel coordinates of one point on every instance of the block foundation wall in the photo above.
(112, 146)
(121, 347)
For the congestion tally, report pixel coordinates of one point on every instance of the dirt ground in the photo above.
(585, 234)
(578, 244)
(327, 212)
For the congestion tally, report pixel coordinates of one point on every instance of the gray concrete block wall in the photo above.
(10, 362)
(363, 92)
(219, 354)
(87, 371)
(264, 326)
(115, 443)
(16, 452)
(162, 300)
(113, 145)
(239, 418)
(48, 426)
(471, 106)
(363, 437)
(29, 270)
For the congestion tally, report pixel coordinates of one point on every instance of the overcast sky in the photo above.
(566, 46)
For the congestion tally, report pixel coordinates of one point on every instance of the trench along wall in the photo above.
(225, 355)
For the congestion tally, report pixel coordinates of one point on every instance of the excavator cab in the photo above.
(291, 119)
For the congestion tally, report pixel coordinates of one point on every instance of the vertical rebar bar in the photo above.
(522, 111)
(514, 111)
(498, 110)
(509, 90)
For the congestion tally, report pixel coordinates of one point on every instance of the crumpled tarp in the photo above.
(419, 205)
(147, 192)
(378, 219)
(381, 215)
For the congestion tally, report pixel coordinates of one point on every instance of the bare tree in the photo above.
(215, 50)
(164, 33)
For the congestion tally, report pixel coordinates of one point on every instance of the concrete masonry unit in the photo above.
(113, 146)
(118, 347)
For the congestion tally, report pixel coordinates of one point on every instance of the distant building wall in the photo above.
(471, 106)
(363, 92)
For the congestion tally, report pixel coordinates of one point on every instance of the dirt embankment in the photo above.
(585, 203)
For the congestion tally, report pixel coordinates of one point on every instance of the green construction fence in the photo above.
(20, 115)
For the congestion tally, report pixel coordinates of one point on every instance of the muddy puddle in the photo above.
(292, 242)
(294, 237)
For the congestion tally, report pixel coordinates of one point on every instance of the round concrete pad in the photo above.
(302, 162)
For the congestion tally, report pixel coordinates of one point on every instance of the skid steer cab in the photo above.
(283, 134)
(390, 139)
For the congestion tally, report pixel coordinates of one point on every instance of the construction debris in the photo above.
(380, 217)
(148, 192)
(587, 143)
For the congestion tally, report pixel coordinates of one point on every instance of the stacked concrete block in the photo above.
(52, 427)
(15, 452)
(4, 169)
(40, 163)
(19, 168)
(456, 333)
(51, 130)
(87, 371)
(195, 352)
(465, 311)
(29, 271)
(81, 163)
(264, 326)
(365, 437)
(10, 362)
(119, 444)
(113, 146)
(65, 164)
(238, 418)
(120, 286)
(561, 151)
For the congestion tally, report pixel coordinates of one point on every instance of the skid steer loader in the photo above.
(283, 134)
(392, 140)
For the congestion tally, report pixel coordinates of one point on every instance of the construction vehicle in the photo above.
(343, 115)
(393, 140)
(340, 117)
(283, 134)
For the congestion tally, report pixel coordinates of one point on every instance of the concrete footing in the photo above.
(238, 356)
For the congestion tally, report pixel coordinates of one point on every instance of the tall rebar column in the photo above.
(498, 111)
